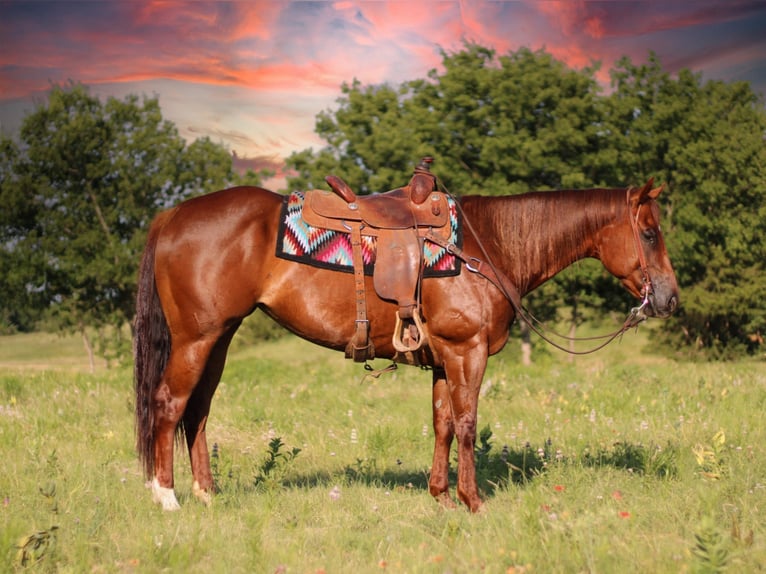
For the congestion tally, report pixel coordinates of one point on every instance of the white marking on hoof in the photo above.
(202, 495)
(164, 496)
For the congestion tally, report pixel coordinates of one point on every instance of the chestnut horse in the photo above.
(210, 261)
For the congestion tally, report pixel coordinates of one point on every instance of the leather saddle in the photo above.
(399, 220)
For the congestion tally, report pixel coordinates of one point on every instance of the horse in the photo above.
(210, 261)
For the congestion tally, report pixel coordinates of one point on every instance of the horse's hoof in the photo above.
(476, 506)
(445, 501)
(480, 509)
(473, 502)
(202, 495)
(165, 497)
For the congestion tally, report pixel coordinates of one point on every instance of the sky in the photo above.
(253, 75)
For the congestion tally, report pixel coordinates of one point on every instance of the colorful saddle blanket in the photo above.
(301, 242)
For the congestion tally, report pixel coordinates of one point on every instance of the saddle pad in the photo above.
(299, 241)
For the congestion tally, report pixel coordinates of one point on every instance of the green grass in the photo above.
(619, 462)
(39, 351)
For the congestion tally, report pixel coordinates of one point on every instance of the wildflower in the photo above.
(559, 488)
(624, 514)
(617, 495)
(335, 493)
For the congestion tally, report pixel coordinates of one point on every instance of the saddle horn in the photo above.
(341, 188)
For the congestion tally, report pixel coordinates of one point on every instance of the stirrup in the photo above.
(403, 340)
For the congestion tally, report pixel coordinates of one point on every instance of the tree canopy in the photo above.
(78, 189)
(524, 120)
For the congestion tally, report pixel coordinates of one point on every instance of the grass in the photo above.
(619, 461)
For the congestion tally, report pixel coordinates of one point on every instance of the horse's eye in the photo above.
(650, 236)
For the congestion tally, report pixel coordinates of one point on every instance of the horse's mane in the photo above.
(549, 228)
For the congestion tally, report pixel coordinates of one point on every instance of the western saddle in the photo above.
(399, 220)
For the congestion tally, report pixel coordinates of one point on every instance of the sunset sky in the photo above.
(254, 75)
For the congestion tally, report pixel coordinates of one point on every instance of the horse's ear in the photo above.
(654, 194)
(648, 192)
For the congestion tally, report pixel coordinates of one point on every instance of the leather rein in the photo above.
(487, 269)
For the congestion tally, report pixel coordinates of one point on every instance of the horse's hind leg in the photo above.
(195, 418)
(184, 369)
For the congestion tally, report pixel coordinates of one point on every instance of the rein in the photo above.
(487, 269)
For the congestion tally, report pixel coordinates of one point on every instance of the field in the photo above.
(617, 462)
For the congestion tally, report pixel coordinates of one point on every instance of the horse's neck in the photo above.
(536, 235)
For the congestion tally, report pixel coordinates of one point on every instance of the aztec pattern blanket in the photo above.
(301, 242)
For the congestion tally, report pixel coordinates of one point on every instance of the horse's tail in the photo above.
(151, 347)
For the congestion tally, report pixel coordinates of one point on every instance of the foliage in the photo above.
(523, 120)
(77, 192)
(40, 545)
(710, 550)
(275, 466)
(681, 130)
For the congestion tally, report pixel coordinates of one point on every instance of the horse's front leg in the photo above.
(444, 431)
(464, 375)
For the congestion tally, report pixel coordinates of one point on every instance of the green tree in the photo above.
(706, 140)
(493, 124)
(77, 192)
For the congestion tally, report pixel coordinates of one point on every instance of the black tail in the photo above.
(151, 348)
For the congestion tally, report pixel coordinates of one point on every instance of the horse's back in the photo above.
(215, 206)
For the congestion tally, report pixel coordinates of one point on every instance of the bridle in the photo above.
(646, 291)
(487, 269)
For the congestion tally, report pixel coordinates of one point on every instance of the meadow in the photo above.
(621, 461)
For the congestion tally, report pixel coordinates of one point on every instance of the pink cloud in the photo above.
(291, 57)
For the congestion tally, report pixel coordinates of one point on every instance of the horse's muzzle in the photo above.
(662, 307)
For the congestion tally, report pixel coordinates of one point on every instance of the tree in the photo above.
(706, 140)
(77, 193)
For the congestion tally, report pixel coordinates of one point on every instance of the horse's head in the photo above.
(633, 250)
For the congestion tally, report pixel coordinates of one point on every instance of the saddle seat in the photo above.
(393, 210)
(399, 220)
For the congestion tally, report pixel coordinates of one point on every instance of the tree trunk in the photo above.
(88, 349)
(526, 344)
(573, 332)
